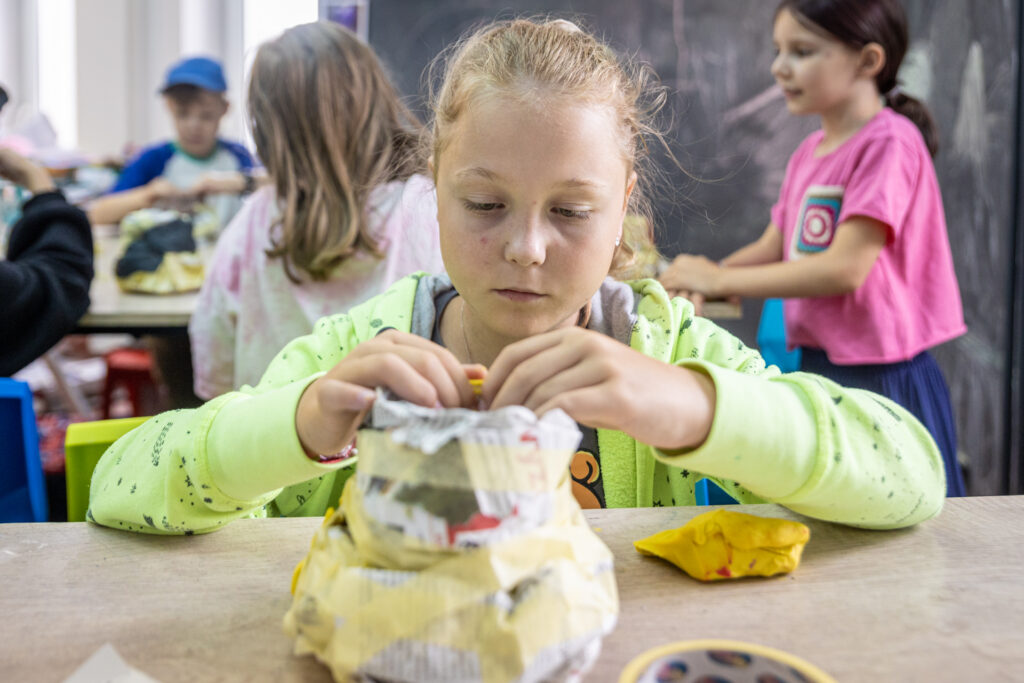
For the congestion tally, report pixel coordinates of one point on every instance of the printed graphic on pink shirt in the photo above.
(816, 225)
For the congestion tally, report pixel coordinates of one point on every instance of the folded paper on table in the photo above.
(458, 553)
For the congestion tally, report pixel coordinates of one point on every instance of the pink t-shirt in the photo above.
(248, 309)
(910, 300)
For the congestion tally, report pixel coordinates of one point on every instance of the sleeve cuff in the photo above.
(253, 447)
(763, 435)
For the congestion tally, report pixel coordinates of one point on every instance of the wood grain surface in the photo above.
(942, 601)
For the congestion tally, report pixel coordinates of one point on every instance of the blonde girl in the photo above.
(536, 150)
(857, 241)
(346, 213)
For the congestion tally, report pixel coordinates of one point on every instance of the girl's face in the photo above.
(816, 74)
(531, 199)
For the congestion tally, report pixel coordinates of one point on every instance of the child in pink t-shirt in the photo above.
(857, 242)
(348, 210)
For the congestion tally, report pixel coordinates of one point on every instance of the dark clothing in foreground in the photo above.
(44, 281)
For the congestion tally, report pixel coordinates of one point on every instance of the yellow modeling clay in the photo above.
(722, 544)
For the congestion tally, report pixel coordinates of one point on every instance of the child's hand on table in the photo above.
(603, 383)
(220, 182)
(161, 189)
(415, 369)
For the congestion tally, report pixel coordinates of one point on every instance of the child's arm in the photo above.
(765, 249)
(826, 451)
(842, 455)
(840, 269)
(21, 171)
(113, 207)
(193, 471)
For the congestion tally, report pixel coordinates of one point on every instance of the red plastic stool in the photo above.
(132, 369)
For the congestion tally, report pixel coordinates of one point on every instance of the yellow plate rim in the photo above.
(637, 665)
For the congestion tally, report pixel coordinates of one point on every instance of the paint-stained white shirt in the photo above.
(248, 309)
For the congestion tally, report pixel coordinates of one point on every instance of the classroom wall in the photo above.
(732, 131)
(14, 76)
(104, 67)
(122, 48)
(18, 75)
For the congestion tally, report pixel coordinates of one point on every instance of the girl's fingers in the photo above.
(463, 395)
(399, 370)
(697, 299)
(335, 405)
(580, 376)
(587, 405)
(522, 366)
(475, 371)
(434, 362)
(340, 397)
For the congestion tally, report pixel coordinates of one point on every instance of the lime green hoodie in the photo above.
(843, 455)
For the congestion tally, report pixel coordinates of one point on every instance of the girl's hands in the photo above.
(603, 383)
(416, 369)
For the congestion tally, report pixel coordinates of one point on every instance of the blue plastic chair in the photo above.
(708, 492)
(771, 338)
(22, 484)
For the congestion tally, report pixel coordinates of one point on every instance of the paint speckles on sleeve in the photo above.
(158, 447)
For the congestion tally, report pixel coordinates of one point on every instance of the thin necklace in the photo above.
(582, 320)
(465, 338)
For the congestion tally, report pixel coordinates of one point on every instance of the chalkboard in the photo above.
(732, 132)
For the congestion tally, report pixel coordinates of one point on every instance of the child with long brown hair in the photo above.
(538, 152)
(346, 213)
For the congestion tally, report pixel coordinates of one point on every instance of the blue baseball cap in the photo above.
(201, 72)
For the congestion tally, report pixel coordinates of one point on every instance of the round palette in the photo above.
(720, 661)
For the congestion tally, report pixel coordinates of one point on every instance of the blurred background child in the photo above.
(857, 242)
(346, 213)
(196, 163)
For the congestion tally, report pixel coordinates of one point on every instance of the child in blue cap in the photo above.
(197, 162)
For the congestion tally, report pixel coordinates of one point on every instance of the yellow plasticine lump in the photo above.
(722, 544)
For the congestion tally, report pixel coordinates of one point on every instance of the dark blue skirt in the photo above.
(917, 385)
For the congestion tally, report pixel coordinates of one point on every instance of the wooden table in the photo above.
(943, 601)
(112, 310)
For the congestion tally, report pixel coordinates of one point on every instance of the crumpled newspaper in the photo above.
(722, 544)
(458, 553)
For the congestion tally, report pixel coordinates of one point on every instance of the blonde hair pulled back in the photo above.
(536, 59)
